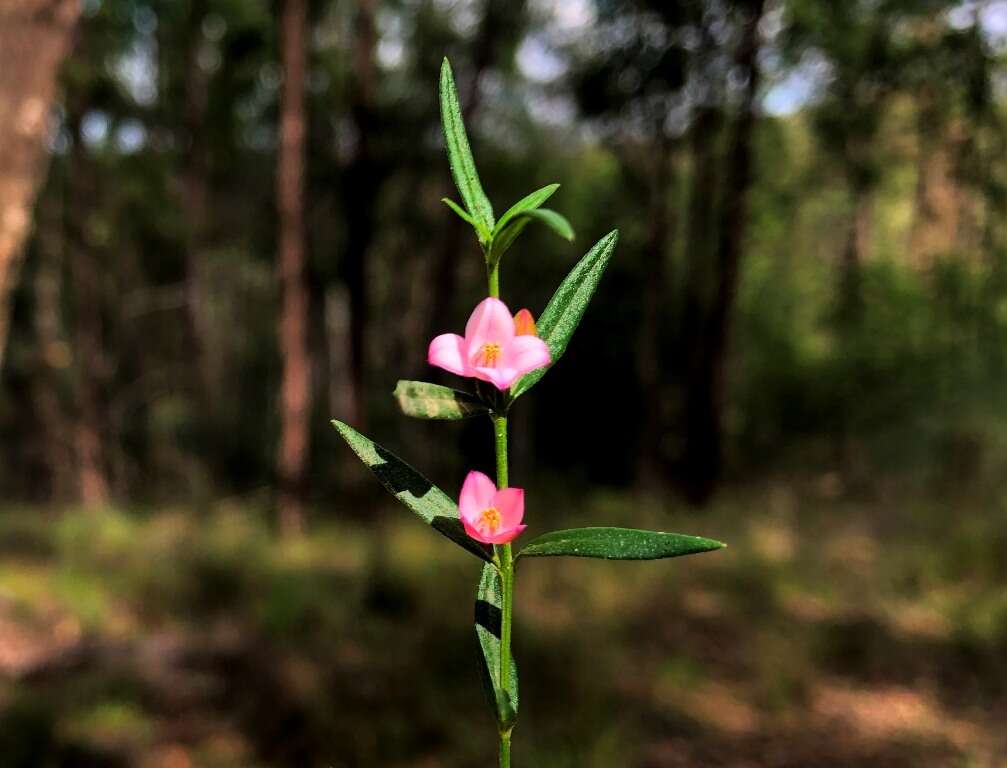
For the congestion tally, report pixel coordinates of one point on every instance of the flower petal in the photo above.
(503, 536)
(475, 533)
(509, 502)
(524, 323)
(477, 494)
(447, 351)
(501, 378)
(490, 323)
(526, 353)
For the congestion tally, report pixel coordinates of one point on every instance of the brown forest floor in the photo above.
(837, 630)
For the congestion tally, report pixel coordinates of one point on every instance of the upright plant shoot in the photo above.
(504, 355)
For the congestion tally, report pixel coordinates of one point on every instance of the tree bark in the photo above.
(855, 249)
(35, 37)
(90, 366)
(295, 391)
(53, 353)
(195, 185)
(362, 184)
(705, 396)
(650, 350)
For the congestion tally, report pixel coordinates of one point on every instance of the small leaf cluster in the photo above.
(495, 237)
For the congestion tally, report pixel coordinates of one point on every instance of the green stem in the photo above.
(504, 556)
(506, 561)
(493, 274)
(505, 750)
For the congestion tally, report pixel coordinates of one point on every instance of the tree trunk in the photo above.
(53, 352)
(697, 279)
(90, 366)
(855, 249)
(35, 36)
(195, 185)
(295, 392)
(650, 349)
(362, 184)
(705, 396)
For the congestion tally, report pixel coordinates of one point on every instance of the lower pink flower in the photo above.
(497, 347)
(489, 515)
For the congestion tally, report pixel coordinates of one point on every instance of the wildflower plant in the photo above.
(505, 355)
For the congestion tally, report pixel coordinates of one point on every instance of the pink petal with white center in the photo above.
(490, 323)
(526, 353)
(448, 351)
(509, 502)
(477, 494)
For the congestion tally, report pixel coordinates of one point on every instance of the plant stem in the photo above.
(506, 559)
(493, 274)
(505, 750)
(504, 556)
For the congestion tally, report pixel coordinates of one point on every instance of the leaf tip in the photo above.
(342, 427)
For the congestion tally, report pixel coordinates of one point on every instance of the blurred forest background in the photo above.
(221, 226)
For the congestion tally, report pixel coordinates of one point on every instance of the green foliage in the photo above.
(463, 166)
(489, 604)
(494, 237)
(423, 400)
(567, 306)
(417, 493)
(527, 203)
(553, 220)
(617, 544)
(517, 217)
(462, 213)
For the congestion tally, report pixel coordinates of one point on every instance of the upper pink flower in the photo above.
(492, 350)
(489, 515)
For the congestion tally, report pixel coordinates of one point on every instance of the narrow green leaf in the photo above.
(617, 544)
(417, 493)
(505, 238)
(566, 307)
(488, 615)
(556, 222)
(507, 231)
(526, 203)
(422, 400)
(463, 166)
(462, 213)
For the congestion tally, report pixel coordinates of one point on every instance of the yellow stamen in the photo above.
(490, 518)
(488, 355)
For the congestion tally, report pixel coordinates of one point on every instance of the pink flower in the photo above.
(493, 349)
(489, 515)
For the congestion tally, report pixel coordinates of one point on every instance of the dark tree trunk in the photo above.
(195, 185)
(53, 352)
(651, 342)
(295, 393)
(88, 344)
(35, 37)
(706, 387)
(362, 184)
(696, 289)
(855, 249)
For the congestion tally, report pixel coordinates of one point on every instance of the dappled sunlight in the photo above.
(754, 658)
